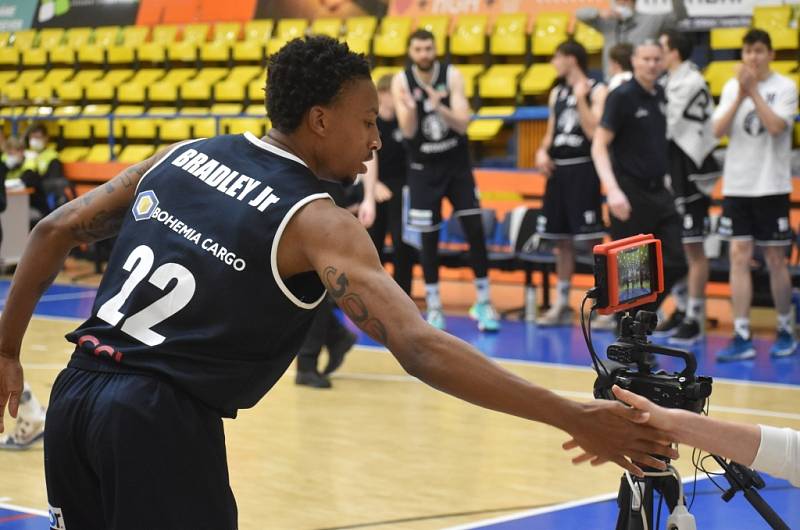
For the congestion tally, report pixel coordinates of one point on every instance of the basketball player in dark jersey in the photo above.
(225, 247)
(389, 169)
(572, 209)
(433, 114)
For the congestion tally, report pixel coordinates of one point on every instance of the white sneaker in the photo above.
(556, 316)
(26, 433)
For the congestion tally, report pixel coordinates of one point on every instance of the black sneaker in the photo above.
(312, 379)
(337, 351)
(688, 332)
(668, 327)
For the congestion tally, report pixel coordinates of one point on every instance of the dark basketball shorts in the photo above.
(762, 219)
(695, 219)
(572, 206)
(430, 182)
(130, 451)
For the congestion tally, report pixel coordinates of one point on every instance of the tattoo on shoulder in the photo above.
(351, 303)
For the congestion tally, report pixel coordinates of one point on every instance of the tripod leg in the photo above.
(630, 515)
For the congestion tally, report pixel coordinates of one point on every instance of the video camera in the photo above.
(628, 274)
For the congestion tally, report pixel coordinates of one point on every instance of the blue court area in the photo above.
(524, 342)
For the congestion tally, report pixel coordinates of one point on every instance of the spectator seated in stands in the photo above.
(42, 171)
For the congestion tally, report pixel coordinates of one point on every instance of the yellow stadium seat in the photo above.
(96, 110)
(115, 77)
(77, 130)
(196, 33)
(91, 54)
(215, 52)
(146, 76)
(727, 38)
(175, 129)
(134, 35)
(436, 24)
(131, 92)
(73, 154)
(182, 52)
(40, 92)
(508, 37)
(482, 130)
(6, 76)
(229, 109)
(141, 129)
(287, 29)
(783, 38)
(330, 27)
(132, 154)
(772, 16)
(241, 125)
(380, 71)
(9, 57)
(106, 36)
(71, 91)
(590, 38)
(128, 110)
(50, 37)
(550, 30)
(227, 31)
(797, 133)
(33, 57)
(23, 40)
(362, 27)
(258, 30)
(29, 77)
(255, 90)
(717, 74)
(469, 35)
(245, 74)
(248, 50)
(86, 77)
(229, 90)
(123, 54)
(195, 89)
(99, 91)
(66, 110)
(5, 36)
(786, 68)
(212, 75)
(255, 110)
(77, 37)
(392, 36)
(205, 128)
(162, 92)
(62, 55)
(538, 79)
(100, 153)
(56, 76)
(179, 75)
(164, 34)
(162, 111)
(500, 81)
(470, 73)
(193, 111)
(152, 52)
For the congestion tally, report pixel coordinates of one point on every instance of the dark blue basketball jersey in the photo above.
(569, 141)
(434, 138)
(192, 290)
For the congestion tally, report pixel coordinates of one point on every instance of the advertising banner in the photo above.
(312, 9)
(78, 13)
(16, 14)
(415, 8)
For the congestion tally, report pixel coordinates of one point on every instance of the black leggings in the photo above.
(478, 258)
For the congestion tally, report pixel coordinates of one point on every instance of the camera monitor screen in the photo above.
(628, 273)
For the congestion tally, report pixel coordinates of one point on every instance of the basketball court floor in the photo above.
(382, 450)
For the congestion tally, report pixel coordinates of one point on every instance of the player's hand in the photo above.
(608, 431)
(544, 162)
(581, 88)
(659, 417)
(382, 192)
(618, 204)
(10, 386)
(747, 79)
(366, 212)
(434, 96)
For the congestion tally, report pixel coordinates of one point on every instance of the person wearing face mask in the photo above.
(40, 168)
(622, 23)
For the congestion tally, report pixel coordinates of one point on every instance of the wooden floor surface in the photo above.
(381, 450)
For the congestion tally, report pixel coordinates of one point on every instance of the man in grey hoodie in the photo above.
(622, 23)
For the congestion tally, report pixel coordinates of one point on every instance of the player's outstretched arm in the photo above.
(340, 251)
(89, 218)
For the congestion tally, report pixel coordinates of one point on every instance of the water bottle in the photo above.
(530, 303)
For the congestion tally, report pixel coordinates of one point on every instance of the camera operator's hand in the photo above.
(611, 432)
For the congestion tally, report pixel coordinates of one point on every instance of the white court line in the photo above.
(548, 509)
(5, 499)
(33, 511)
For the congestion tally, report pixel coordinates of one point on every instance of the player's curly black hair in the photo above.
(308, 72)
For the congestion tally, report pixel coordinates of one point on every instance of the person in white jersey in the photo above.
(756, 111)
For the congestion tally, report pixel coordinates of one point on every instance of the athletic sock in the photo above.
(680, 292)
(695, 310)
(742, 327)
(562, 293)
(482, 289)
(432, 298)
(785, 323)
(29, 406)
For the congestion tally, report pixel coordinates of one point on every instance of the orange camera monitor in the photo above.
(627, 273)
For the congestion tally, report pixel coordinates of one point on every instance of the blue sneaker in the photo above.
(435, 318)
(740, 349)
(487, 317)
(785, 345)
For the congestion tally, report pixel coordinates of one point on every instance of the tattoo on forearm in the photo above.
(103, 225)
(352, 305)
